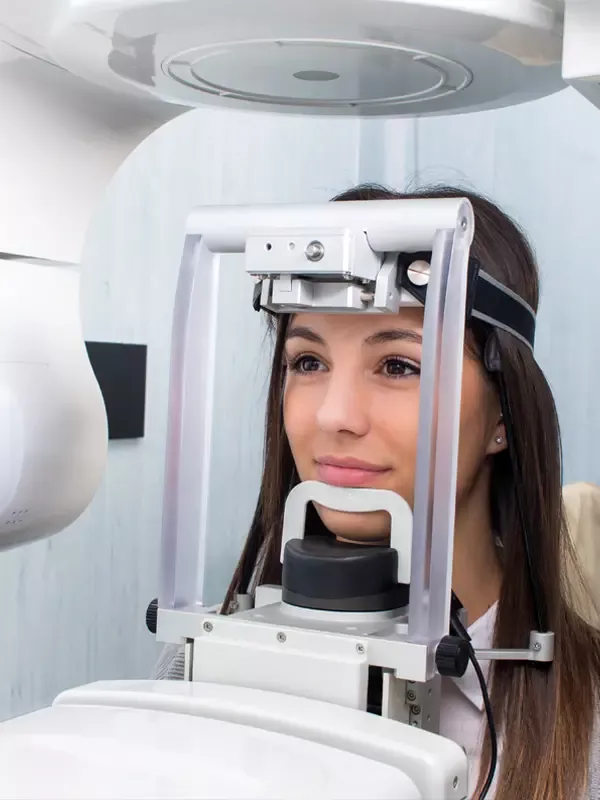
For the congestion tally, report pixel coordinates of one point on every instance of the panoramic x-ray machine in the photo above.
(275, 697)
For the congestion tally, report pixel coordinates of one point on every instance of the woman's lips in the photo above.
(348, 472)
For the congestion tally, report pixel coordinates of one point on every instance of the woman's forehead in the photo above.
(356, 325)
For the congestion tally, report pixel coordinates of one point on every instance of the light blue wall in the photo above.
(73, 607)
(541, 162)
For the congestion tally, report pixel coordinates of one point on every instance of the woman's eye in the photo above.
(305, 364)
(399, 368)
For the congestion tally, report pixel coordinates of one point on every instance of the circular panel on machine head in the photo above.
(318, 73)
(362, 57)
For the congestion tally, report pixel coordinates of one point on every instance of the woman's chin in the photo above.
(369, 528)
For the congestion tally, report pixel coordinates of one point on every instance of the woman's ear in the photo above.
(497, 442)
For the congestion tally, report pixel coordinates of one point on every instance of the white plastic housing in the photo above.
(53, 431)
(181, 740)
(61, 139)
(368, 57)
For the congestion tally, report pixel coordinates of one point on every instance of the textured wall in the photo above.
(73, 607)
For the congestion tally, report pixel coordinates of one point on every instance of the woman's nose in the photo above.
(343, 407)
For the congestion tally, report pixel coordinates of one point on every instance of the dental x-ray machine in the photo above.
(275, 701)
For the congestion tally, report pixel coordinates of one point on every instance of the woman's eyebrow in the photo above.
(394, 335)
(302, 332)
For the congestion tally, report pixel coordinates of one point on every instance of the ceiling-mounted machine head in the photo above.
(356, 57)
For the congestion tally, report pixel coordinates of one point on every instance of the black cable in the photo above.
(459, 630)
(510, 442)
(491, 724)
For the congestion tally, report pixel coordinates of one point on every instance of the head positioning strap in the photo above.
(487, 299)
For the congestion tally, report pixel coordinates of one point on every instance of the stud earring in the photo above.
(499, 439)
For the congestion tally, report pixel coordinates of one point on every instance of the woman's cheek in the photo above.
(298, 423)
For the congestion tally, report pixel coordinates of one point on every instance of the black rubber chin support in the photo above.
(487, 299)
(323, 574)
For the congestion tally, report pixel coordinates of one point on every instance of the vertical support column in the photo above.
(187, 479)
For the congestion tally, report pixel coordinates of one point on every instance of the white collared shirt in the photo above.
(462, 713)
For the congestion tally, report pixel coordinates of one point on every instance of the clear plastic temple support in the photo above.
(439, 423)
(191, 395)
(443, 226)
(448, 430)
(423, 552)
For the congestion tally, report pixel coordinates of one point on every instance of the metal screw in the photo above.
(281, 637)
(314, 251)
(455, 782)
(360, 648)
(415, 723)
(418, 273)
(411, 696)
(208, 627)
(537, 646)
(416, 710)
(464, 224)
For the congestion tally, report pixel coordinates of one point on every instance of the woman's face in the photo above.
(351, 410)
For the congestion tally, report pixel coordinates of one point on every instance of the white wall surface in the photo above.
(73, 607)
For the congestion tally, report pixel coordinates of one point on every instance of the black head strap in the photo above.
(487, 299)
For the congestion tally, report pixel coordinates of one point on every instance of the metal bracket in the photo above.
(337, 253)
(541, 648)
(414, 703)
(290, 292)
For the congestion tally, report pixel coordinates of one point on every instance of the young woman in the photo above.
(343, 409)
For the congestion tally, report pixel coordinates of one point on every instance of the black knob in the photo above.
(152, 616)
(452, 656)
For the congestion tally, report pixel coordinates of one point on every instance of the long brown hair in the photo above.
(544, 713)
